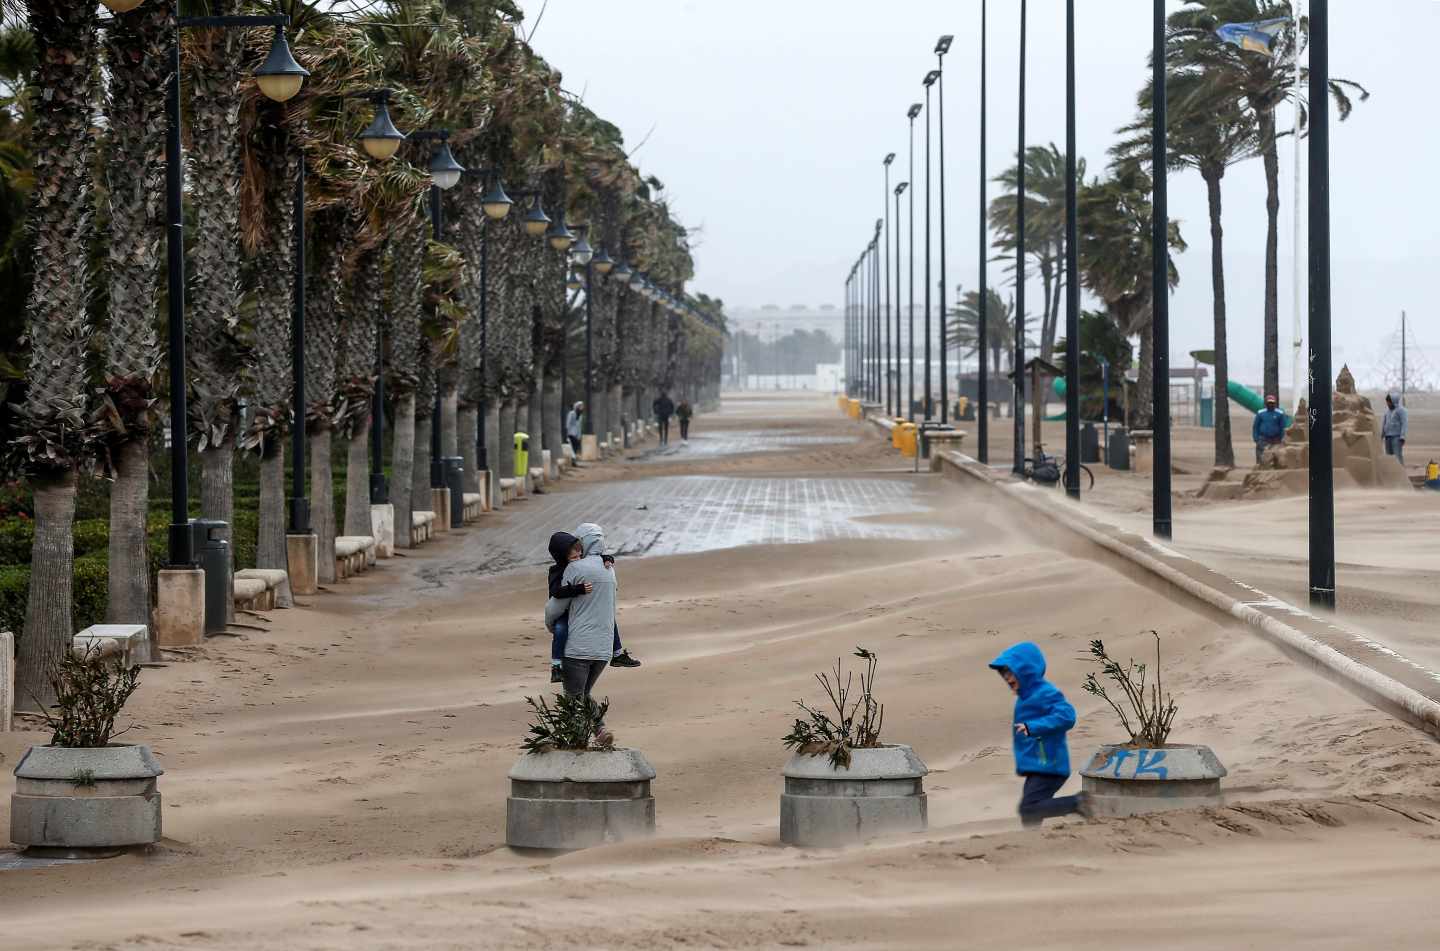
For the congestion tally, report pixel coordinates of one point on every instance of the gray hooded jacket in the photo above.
(1397, 420)
(592, 616)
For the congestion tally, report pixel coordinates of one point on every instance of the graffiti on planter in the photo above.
(1136, 764)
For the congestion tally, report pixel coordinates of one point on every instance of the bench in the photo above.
(943, 440)
(352, 555)
(474, 504)
(537, 477)
(250, 594)
(277, 588)
(508, 491)
(129, 643)
(422, 526)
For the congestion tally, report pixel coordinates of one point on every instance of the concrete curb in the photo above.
(1225, 594)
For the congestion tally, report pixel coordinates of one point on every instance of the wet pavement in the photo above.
(740, 442)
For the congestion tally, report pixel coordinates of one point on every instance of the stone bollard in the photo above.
(382, 529)
(180, 606)
(883, 792)
(577, 799)
(589, 449)
(7, 681)
(302, 556)
(1125, 781)
(440, 505)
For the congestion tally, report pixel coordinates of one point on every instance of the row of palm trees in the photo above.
(1223, 108)
(90, 113)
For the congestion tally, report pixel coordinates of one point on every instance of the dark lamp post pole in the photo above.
(890, 404)
(941, 48)
(914, 111)
(1322, 473)
(1018, 465)
(982, 417)
(1160, 286)
(929, 81)
(1072, 273)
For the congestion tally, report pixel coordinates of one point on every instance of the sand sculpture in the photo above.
(1359, 458)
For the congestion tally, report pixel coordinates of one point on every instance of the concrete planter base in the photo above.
(882, 793)
(1125, 781)
(73, 800)
(574, 800)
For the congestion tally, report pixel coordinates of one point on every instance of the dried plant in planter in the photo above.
(856, 720)
(89, 694)
(570, 724)
(1148, 711)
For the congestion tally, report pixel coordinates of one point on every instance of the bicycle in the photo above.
(1050, 470)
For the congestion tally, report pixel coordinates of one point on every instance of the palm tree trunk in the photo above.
(270, 546)
(1047, 339)
(1144, 408)
(217, 483)
(322, 502)
(449, 413)
(357, 481)
(128, 599)
(1272, 244)
(420, 463)
(401, 463)
(465, 417)
(49, 625)
(492, 453)
(507, 440)
(1224, 451)
(550, 423)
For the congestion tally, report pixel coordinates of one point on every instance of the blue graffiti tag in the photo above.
(1152, 767)
(1146, 763)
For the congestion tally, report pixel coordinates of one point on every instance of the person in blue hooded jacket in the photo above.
(1042, 718)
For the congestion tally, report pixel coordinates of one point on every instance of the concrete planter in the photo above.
(883, 792)
(1125, 781)
(85, 799)
(575, 800)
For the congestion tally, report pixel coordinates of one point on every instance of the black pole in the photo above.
(940, 341)
(890, 405)
(1072, 272)
(379, 489)
(928, 202)
(482, 409)
(910, 409)
(1322, 473)
(899, 375)
(1019, 368)
(437, 468)
(875, 295)
(181, 554)
(1160, 287)
(299, 501)
(982, 343)
(589, 357)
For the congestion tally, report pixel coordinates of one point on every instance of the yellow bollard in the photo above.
(855, 409)
(908, 437)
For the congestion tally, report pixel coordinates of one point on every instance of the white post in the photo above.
(7, 680)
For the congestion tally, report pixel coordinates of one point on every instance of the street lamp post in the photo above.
(279, 79)
(1018, 467)
(899, 402)
(981, 343)
(889, 351)
(929, 81)
(1160, 284)
(1072, 272)
(911, 114)
(582, 254)
(942, 46)
(1322, 475)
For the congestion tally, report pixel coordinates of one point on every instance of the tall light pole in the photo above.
(279, 79)
(1322, 475)
(982, 343)
(942, 46)
(899, 375)
(1160, 288)
(582, 254)
(1019, 414)
(1072, 272)
(890, 405)
(929, 81)
(911, 114)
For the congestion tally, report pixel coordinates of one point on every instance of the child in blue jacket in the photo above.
(1042, 718)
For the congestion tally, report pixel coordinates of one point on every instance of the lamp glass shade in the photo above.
(559, 236)
(536, 221)
(495, 202)
(581, 252)
(381, 139)
(574, 283)
(445, 172)
(603, 262)
(622, 273)
(280, 77)
(121, 6)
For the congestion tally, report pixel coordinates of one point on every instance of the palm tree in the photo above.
(56, 434)
(1209, 132)
(963, 327)
(137, 62)
(1115, 261)
(405, 362)
(1044, 227)
(1259, 83)
(356, 380)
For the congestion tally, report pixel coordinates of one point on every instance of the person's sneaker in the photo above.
(623, 659)
(557, 675)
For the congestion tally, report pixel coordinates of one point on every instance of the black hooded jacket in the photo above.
(560, 545)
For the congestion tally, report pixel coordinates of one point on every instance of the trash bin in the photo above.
(1089, 444)
(454, 469)
(907, 440)
(522, 456)
(211, 540)
(1118, 452)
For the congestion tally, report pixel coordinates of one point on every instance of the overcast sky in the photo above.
(768, 122)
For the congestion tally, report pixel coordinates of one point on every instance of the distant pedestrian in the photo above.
(1268, 429)
(1395, 427)
(1042, 718)
(664, 408)
(683, 412)
(573, 422)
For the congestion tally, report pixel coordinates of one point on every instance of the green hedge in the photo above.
(92, 588)
(17, 535)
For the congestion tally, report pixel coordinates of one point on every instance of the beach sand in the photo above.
(339, 779)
